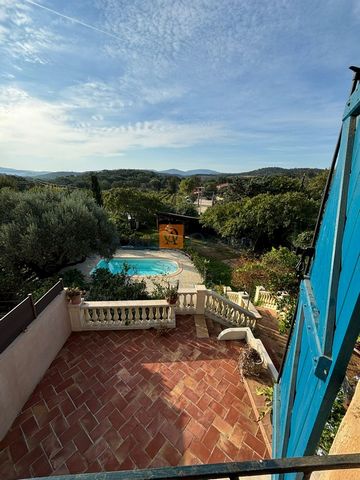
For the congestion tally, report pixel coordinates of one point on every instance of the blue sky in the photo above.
(229, 85)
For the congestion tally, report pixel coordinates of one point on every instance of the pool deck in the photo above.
(187, 275)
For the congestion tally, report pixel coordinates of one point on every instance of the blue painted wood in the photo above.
(321, 363)
(329, 303)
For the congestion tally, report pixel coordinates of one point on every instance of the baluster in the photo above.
(108, 315)
(122, 315)
(116, 314)
(137, 315)
(87, 315)
(192, 300)
(101, 315)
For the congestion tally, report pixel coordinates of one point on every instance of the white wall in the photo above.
(25, 361)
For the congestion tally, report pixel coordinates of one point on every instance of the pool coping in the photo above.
(162, 275)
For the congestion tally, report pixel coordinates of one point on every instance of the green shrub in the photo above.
(286, 306)
(275, 270)
(108, 286)
(213, 271)
(74, 278)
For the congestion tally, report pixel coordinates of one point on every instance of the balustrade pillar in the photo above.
(201, 292)
(259, 289)
(75, 313)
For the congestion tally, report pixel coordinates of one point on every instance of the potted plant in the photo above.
(171, 293)
(251, 362)
(74, 295)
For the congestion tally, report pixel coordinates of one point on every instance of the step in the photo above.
(201, 327)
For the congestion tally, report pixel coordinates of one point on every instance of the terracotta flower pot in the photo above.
(76, 300)
(172, 300)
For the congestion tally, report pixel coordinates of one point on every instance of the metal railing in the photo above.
(20, 317)
(234, 470)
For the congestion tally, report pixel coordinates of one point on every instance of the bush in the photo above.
(303, 240)
(108, 286)
(74, 278)
(287, 306)
(213, 271)
(275, 270)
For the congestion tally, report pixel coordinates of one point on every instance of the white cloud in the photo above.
(31, 128)
(23, 39)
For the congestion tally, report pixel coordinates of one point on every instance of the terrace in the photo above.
(125, 395)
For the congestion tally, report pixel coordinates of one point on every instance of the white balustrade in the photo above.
(142, 314)
(227, 312)
(187, 301)
(242, 299)
(268, 299)
(126, 315)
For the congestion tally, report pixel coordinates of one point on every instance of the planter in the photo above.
(172, 300)
(76, 299)
(251, 362)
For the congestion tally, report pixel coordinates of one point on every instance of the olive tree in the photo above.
(42, 230)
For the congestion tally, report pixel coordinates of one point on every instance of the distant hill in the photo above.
(277, 171)
(108, 177)
(45, 175)
(20, 173)
(52, 175)
(189, 173)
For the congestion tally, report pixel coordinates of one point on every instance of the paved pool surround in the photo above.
(187, 275)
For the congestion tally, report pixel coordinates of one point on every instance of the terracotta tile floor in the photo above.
(125, 400)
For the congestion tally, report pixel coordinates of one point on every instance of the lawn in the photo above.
(213, 248)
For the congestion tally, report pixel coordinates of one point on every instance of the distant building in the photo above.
(222, 186)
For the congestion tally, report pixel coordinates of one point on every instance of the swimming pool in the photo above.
(139, 266)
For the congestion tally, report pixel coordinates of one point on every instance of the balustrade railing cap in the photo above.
(125, 303)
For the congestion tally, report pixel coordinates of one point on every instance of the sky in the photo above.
(228, 85)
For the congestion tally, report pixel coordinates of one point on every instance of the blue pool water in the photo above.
(139, 266)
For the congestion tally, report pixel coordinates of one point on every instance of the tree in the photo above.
(140, 206)
(188, 184)
(241, 187)
(42, 230)
(184, 206)
(267, 220)
(304, 239)
(96, 190)
(275, 270)
(316, 185)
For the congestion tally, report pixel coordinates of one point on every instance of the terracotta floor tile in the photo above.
(170, 454)
(18, 449)
(211, 438)
(155, 444)
(41, 467)
(197, 430)
(134, 399)
(200, 450)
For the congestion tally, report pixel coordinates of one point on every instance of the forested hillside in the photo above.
(46, 225)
